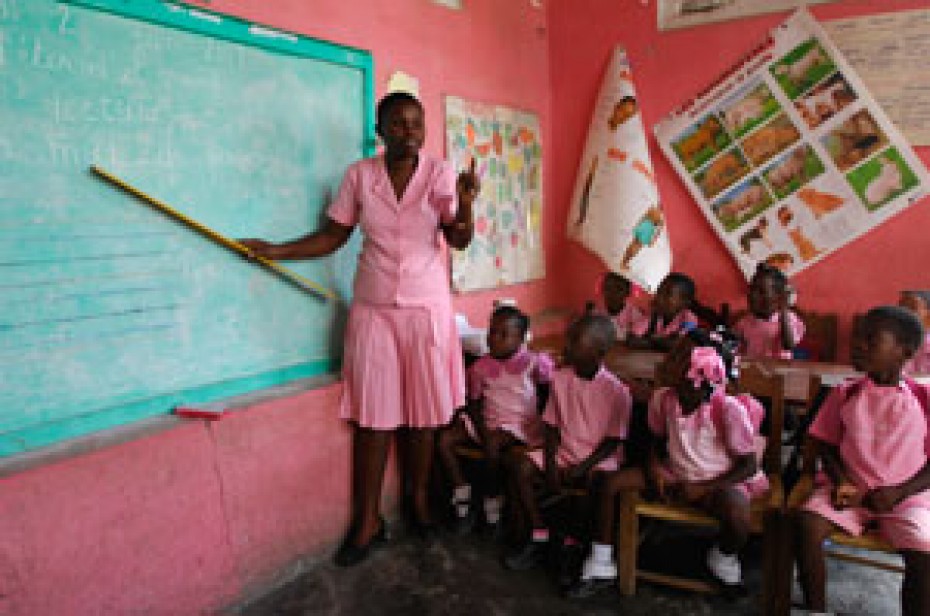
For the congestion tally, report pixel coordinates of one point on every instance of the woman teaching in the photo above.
(402, 363)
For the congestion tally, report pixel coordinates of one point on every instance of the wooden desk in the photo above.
(631, 364)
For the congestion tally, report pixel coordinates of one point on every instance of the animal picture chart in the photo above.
(890, 52)
(788, 155)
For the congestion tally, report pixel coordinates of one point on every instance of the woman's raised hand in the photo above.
(468, 185)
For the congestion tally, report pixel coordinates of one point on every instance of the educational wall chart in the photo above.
(507, 246)
(889, 52)
(687, 13)
(788, 155)
(615, 211)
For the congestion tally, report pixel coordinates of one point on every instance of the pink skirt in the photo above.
(402, 367)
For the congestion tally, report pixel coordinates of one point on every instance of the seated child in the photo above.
(873, 440)
(710, 438)
(615, 293)
(919, 303)
(586, 420)
(507, 390)
(670, 316)
(770, 329)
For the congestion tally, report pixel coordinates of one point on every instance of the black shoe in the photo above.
(530, 555)
(570, 559)
(464, 525)
(349, 554)
(583, 589)
(427, 532)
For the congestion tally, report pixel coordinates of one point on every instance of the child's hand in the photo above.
(882, 500)
(690, 491)
(845, 495)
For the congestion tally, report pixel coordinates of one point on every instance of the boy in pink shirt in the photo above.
(587, 418)
(918, 302)
(770, 329)
(507, 389)
(873, 440)
(615, 294)
(670, 316)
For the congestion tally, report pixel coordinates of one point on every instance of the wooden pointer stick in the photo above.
(233, 245)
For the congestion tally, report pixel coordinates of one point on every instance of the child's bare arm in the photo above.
(542, 396)
(607, 447)
(883, 500)
(845, 492)
(744, 467)
(550, 446)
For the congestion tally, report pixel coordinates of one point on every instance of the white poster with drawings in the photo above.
(507, 147)
(788, 156)
(615, 211)
(687, 13)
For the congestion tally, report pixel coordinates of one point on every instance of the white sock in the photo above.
(492, 509)
(461, 498)
(602, 553)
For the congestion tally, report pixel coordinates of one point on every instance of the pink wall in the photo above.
(192, 518)
(668, 69)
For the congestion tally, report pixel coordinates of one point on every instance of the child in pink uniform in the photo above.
(402, 362)
(670, 316)
(771, 329)
(507, 391)
(615, 294)
(712, 460)
(586, 419)
(918, 302)
(873, 438)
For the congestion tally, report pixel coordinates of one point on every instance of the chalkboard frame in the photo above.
(235, 30)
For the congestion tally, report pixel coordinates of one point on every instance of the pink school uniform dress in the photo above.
(585, 413)
(763, 336)
(676, 325)
(402, 361)
(882, 435)
(627, 320)
(702, 445)
(920, 363)
(507, 389)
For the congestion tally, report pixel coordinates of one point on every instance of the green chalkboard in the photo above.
(110, 311)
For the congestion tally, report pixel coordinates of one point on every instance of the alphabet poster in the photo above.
(507, 245)
(788, 155)
(616, 212)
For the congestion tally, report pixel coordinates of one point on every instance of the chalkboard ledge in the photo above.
(88, 443)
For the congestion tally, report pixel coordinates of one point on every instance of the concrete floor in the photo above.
(459, 576)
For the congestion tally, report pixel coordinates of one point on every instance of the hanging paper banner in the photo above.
(788, 156)
(507, 244)
(615, 209)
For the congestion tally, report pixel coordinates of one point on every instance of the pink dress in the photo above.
(672, 328)
(883, 439)
(763, 336)
(920, 363)
(507, 389)
(702, 445)
(586, 413)
(402, 362)
(627, 320)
